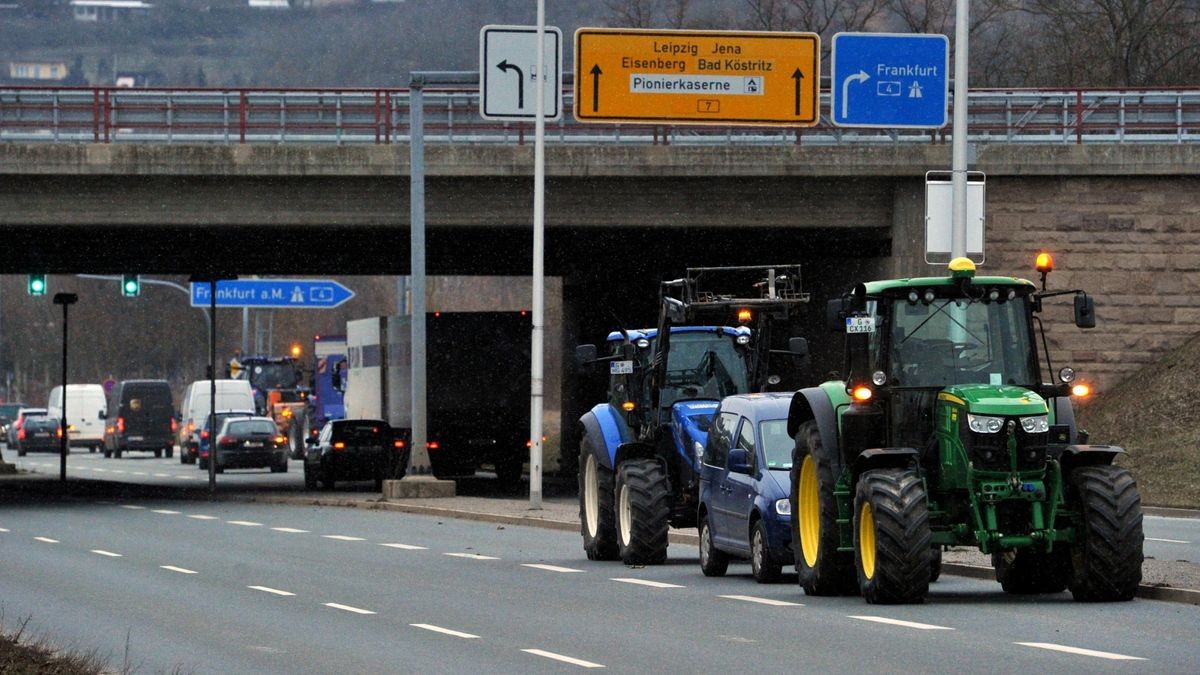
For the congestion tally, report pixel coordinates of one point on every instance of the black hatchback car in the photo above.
(353, 450)
(251, 443)
(39, 433)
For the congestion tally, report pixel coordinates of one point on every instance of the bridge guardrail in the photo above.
(380, 116)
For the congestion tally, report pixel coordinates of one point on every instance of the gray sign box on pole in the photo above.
(939, 197)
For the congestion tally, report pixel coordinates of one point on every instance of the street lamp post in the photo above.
(66, 300)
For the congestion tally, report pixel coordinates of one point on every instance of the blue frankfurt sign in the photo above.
(890, 80)
(282, 293)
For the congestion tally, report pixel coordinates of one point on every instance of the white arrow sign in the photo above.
(860, 76)
(508, 63)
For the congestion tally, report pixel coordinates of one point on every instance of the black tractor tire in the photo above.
(1106, 558)
(821, 568)
(762, 566)
(935, 564)
(1029, 571)
(310, 478)
(643, 510)
(597, 519)
(713, 561)
(891, 537)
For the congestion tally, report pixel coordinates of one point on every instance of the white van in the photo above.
(86, 409)
(232, 396)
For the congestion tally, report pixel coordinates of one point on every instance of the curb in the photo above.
(1145, 591)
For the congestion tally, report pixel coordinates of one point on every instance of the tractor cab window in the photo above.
(959, 341)
(274, 376)
(703, 365)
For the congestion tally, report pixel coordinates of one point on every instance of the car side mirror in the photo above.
(1085, 311)
(739, 461)
(585, 356)
(835, 319)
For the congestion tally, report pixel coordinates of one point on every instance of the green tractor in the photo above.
(943, 434)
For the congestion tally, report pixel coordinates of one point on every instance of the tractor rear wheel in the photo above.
(891, 537)
(1106, 559)
(643, 512)
(1027, 571)
(713, 561)
(821, 568)
(596, 516)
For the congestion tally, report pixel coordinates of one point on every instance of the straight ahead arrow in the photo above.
(799, 78)
(595, 71)
(506, 66)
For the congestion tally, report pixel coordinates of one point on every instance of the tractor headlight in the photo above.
(699, 450)
(1037, 424)
(983, 424)
(783, 507)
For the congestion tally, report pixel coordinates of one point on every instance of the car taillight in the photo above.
(280, 440)
(21, 434)
(120, 425)
(174, 425)
(58, 433)
(398, 444)
(20, 422)
(227, 441)
(339, 445)
(204, 434)
(432, 445)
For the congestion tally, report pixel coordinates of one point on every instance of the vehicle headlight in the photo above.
(984, 424)
(699, 449)
(1037, 424)
(783, 507)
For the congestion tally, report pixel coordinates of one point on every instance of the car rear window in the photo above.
(251, 427)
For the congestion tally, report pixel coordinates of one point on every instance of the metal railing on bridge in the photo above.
(380, 116)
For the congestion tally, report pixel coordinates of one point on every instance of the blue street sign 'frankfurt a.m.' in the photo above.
(282, 293)
(890, 80)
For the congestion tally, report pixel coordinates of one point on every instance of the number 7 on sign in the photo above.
(708, 105)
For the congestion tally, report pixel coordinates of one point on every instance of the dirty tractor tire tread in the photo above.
(650, 511)
(601, 545)
(902, 548)
(833, 572)
(1107, 559)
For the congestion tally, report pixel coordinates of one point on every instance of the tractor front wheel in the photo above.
(891, 537)
(596, 516)
(643, 512)
(1106, 559)
(821, 568)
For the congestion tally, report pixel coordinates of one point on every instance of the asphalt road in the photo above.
(227, 587)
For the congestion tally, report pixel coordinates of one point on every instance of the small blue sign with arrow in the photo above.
(890, 80)
(281, 293)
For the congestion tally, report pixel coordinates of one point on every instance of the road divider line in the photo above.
(646, 582)
(99, 469)
(289, 530)
(407, 547)
(551, 568)
(162, 475)
(116, 471)
(898, 622)
(1080, 651)
(762, 601)
(444, 631)
(47, 540)
(181, 570)
(4, 529)
(107, 554)
(133, 507)
(201, 516)
(471, 556)
(1168, 541)
(184, 477)
(135, 473)
(165, 512)
(348, 608)
(342, 537)
(565, 659)
(274, 591)
(244, 523)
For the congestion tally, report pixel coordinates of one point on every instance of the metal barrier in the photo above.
(338, 116)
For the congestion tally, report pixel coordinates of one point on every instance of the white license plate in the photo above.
(254, 444)
(860, 324)
(620, 368)
(137, 438)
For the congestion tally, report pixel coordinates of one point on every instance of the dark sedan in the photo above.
(251, 443)
(353, 450)
(38, 433)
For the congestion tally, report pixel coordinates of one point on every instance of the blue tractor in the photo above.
(639, 460)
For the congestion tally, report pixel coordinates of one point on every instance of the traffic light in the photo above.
(131, 285)
(37, 284)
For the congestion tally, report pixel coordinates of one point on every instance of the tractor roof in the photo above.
(651, 333)
(876, 287)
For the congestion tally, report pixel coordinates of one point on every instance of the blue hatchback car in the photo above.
(744, 477)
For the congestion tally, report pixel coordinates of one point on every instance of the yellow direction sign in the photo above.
(697, 77)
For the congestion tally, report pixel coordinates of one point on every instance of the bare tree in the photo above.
(632, 13)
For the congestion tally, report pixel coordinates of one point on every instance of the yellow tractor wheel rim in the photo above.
(810, 511)
(866, 540)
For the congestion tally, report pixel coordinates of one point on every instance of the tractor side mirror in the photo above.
(835, 319)
(585, 356)
(798, 346)
(1085, 311)
(739, 461)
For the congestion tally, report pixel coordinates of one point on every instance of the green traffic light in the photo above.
(130, 285)
(37, 284)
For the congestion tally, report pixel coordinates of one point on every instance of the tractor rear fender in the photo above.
(813, 404)
(884, 458)
(1075, 456)
(604, 431)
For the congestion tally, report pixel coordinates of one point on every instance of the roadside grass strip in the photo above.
(646, 582)
(107, 554)
(898, 622)
(181, 570)
(551, 568)
(273, 591)
(564, 659)
(444, 631)
(1080, 651)
(471, 556)
(348, 608)
(407, 547)
(762, 601)
(290, 530)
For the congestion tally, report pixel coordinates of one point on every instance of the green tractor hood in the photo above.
(989, 399)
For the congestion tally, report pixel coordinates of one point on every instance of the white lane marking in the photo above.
(342, 537)
(348, 608)
(99, 469)
(244, 523)
(165, 512)
(276, 591)
(162, 475)
(898, 622)
(565, 659)
(1080, 651)
(200, 516)
(181, 570)
(762, 601)
(471, 556)
(116, 471)
(407, 547)
(645, 582)
(444, 631)
(184, 477)
(4, 529)
(133, 507)
(108, 554)
(550, 568)
(289, 530)
(1169, 541)
(136, 473)
(47, 540)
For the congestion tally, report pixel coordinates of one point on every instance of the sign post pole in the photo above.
(537, 381)
(958, 159)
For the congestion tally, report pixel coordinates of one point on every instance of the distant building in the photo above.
(104, 11)
(37, 71)
(137, 79)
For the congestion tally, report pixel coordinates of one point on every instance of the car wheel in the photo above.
(107, 453)
(158, 453)
(117, 453)
(220, 469)
(167, 452)
(92, 449)
(203, 464)
(713, 562)
(765, 570)
(20, 452)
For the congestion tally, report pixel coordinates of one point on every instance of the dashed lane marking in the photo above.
(99, 469)
(565, 659)
(762, 601)
(550, 568)
(47, 540)
(274, 591)
(200, 516)
(138, 473)
(471, 556)
(116, 471)
(162, 475)
(165, 512)
(289, 530)
(1168, 541)
(898, 622)
(1080, 651)
(407, 547)
(348, 608)
(444, 631)
(4, 529)
(181, 570)
(342, 537)
(185, 477)
(133, 507)
(646, 582)
(107, 554)
(244, 523)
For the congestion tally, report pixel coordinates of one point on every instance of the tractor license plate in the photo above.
(860, 324)
(620, 368)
